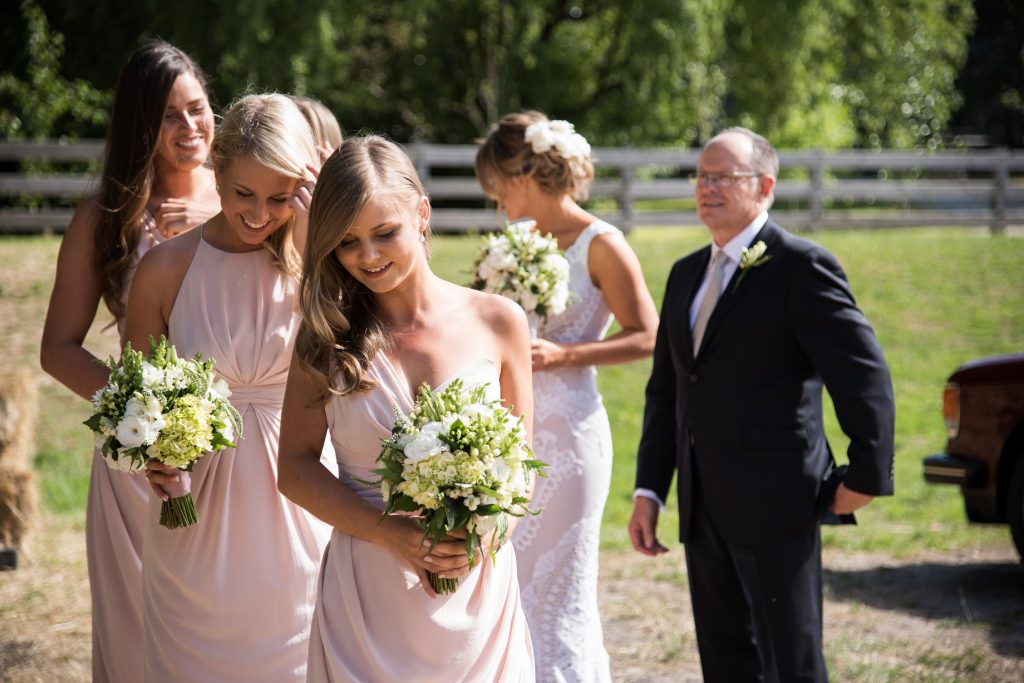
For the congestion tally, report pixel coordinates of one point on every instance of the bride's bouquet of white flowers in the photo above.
(166, 409)
(460, 462)
(521, 264)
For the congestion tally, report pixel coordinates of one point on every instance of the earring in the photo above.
(217, 187)
(423, 238)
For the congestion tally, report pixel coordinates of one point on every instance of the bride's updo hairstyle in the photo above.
(270, 130)
(529, 145)
(342, 328)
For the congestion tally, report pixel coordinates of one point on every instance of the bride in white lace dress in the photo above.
(539, 168)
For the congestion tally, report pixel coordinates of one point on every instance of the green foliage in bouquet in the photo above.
(461, 462)
(166, 409)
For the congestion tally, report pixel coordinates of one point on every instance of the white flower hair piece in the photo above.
(560, 135)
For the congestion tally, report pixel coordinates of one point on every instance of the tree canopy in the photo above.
(806, 73)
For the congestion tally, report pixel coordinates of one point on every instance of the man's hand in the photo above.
(848, 500)
(642, 526)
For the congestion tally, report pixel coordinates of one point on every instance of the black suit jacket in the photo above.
(747, 412)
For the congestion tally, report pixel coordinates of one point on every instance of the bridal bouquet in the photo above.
(525, 266)
(461, 462)
(167, 409)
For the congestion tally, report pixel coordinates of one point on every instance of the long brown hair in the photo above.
(342, 328)
(128, 168)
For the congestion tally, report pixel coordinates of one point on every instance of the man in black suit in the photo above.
(752, 327)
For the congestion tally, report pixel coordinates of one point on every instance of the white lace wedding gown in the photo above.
(558, 550)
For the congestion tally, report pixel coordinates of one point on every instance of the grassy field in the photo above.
(937, 298)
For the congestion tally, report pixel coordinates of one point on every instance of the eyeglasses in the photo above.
(719, 179)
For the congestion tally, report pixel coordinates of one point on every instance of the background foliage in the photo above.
(807, 73)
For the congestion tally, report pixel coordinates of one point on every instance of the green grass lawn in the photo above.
(936, 297)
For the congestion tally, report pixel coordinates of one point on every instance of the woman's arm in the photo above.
(304, 480)
(73, 303)
(516, 378)
(615, 270)
(150, 300)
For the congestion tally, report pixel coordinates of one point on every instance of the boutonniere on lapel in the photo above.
(751, 257)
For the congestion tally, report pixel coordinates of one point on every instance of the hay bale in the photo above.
(17, 418)
(17, 505)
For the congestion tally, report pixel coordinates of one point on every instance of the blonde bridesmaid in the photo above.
(231, 598)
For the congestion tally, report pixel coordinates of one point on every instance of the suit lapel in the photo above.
(732, 293)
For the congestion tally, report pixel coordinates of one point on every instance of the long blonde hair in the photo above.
(342, 329)
(271, 130)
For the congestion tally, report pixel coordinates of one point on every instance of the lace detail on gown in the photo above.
(558, 550)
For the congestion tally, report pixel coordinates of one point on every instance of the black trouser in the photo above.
(757, 610)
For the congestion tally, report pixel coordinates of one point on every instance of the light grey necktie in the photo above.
(711, 296)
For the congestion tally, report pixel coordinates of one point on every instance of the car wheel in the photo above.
(1015, 506)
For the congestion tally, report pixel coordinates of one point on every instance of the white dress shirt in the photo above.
(732, 249)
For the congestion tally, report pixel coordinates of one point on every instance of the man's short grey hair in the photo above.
(764, 158)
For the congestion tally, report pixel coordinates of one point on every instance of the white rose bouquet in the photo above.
(460, 462)
(165, 408)
(525, 266)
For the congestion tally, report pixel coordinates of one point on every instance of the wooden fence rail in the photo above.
(818, 189)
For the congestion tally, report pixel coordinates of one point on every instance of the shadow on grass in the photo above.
(990, 595)
(14, 654)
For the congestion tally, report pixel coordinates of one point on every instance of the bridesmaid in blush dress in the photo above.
(539, 168)
(231, 597)
(154, 185)
(377, 323)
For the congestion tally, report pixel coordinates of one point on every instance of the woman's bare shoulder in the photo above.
(497, 312)
(168, 261)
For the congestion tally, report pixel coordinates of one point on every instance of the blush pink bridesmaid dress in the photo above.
(374, 623)
(114, 520)
(231, 598)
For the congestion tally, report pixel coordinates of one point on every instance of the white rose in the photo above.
(500, 470)
(484, 524)
(122, 464)
(220, 389)
(539, 137)
(134, 408)
(151, 375)
(228, 432)
(573, 146)
(426, 443)
(174, 376)
(136, 431)
(528, 300)
(560, 127)
(154, 410)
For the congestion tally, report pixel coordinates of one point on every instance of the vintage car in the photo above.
(983, 407)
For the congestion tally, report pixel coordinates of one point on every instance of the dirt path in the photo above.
(937, 617)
